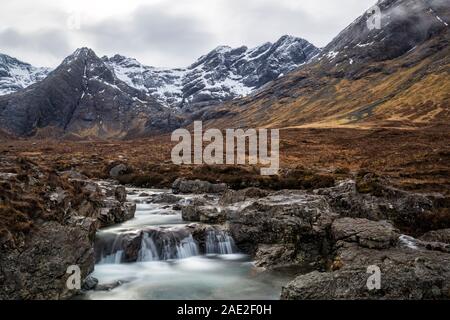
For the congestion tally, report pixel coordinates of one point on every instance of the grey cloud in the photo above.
(52, 43)
(154, 32)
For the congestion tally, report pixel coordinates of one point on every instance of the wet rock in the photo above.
(405, 209)
(39, 270)
(273, 256)
(165, 198)
(369, 234)
(405, 274)
(120, 194)
(114, 212)
(232, 196)
(128, 243)
(90, 283)
(197, 187)
(287, 218)
(201, 210)
(109, 286)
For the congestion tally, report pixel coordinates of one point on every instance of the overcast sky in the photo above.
(169, 33)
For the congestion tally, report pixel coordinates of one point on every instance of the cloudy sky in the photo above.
(172, 33)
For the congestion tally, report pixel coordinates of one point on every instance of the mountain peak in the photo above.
(83, 53)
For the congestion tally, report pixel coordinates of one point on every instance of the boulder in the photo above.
(232, 196)
(369, 234)
(288, 218)
(202, 210)
(197, 187)
(405, 274)
(118, 170)
(38, 271)
(120, 193)
(114, 212)
(442, 235)
(405, 209)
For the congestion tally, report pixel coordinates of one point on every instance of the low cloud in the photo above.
(46, 46)
(152, 33)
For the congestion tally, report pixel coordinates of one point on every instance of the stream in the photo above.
(155, 256)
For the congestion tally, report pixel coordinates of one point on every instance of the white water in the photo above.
(173, 267)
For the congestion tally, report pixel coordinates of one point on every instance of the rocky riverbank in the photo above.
(50, 221)
(336, 234)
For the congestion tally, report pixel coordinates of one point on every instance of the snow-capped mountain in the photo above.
(16, 75)
(223, 74)
(83, 97)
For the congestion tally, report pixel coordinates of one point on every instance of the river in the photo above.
(171, 265)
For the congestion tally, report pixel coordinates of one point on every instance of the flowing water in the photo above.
(168, 263)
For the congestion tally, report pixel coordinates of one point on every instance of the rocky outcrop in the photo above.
(48, 222)
(406, 272)
(16, 75)
(203, 210)
(380, 202)
(234, 196)
(197, 187)
(38, 271)
(437, 236)
(366, 233)
(296, 220)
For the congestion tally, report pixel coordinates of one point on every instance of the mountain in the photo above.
(393, 76)
(221, 75)
(16, 75)
(84, 98)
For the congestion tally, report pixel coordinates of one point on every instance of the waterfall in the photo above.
(169, 248)
(148, 251)
(114, 258)
(187, 247)
(408, 242)
(219, 242)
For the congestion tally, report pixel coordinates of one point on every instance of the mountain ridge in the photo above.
(394, 76)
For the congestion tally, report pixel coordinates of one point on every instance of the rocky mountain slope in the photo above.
(118, 97)
(393, 76)
(83, 97)
(221, 75)
(16, 75)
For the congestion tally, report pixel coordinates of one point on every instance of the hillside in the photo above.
(396, 76)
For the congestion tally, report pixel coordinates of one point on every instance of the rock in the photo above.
(114, 212)
(197, 187)
(109, 286)
(144, 194)
(411, 271)
(369, 234)
(231, 196)
(72, 174)
(442, 235)
(201, 210)
(118, 170)
(288, 218)
(404, 275)
(273, 256)
(165, 198)
(109, 243)
(405, 209)
(39, 270)
(121, 194)
(90, 283)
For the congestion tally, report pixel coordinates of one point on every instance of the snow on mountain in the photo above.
(223, 74)
(16, 75)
